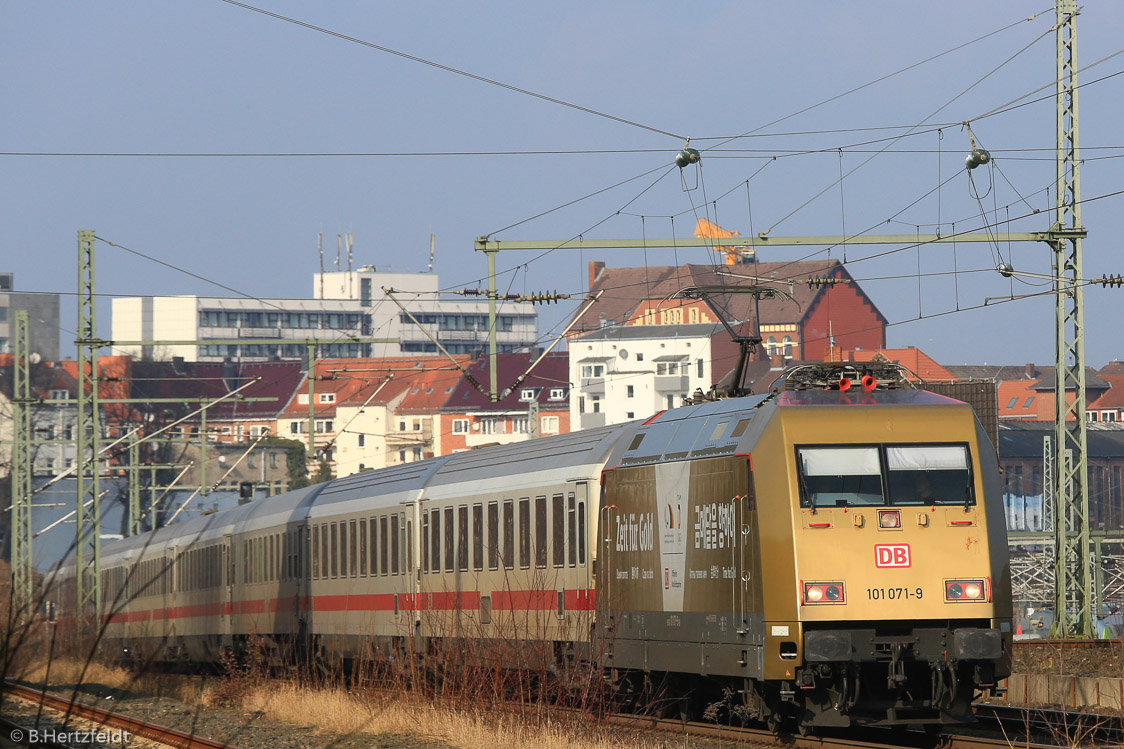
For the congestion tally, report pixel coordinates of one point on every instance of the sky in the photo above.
(210, 77)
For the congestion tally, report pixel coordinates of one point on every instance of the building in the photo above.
(53, 422)
(816, 305)
(346, 306)
(42, 319)
(622, 373)
(469, 419)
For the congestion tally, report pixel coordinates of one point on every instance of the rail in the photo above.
(135, 726)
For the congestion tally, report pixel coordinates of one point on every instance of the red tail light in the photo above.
(824, 593)
(956, 591)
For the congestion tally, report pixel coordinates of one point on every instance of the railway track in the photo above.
(134, 726)
(1068, 644)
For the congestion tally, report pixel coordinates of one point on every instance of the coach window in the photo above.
(335, 544)
(572, 528)
(362, 547)
(449, 539)
(245, 561)
(493, 535)
(478, 537)
(343, 548)
(373, 524)
(352, 544)
(408, 544)
(540, 532)
(929, 474)
(384, 549)
(508, 534)
(524, 533)
(425, 541)
(395, 545)
(435, 524)
(581, 533)
(323, 551)
(558, 529)
(462, 538)
(839, 476)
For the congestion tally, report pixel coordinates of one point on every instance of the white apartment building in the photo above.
(346, 305)
(622, 373)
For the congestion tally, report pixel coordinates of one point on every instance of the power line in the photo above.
(450, 69)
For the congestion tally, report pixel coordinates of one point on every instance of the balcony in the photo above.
(593, 386)
(592, 421)
(676, 383)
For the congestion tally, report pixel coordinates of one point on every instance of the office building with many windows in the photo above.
(348, 309)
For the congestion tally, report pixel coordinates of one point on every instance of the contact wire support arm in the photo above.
(590, 301)
(475, 383)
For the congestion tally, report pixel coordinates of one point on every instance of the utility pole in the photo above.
(87, 550)
(22, 563)
(1076, 605)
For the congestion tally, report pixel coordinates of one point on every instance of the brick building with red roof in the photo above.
(799, 322)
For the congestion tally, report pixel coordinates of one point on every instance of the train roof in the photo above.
(904, 396)
(706, 430)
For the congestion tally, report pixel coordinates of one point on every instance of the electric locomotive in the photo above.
(833, 555)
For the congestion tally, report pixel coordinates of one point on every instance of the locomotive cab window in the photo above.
(848, 476)
(840, 476)
(929, 475)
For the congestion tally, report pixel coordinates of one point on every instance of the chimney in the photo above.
(595, 268)
(1031, 372)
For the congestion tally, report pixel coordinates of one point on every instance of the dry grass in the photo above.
(336, 711)
(66, 672)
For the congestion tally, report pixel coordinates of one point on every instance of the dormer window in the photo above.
(557, 394)
(527, 394)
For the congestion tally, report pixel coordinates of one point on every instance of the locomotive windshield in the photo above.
(882, 475)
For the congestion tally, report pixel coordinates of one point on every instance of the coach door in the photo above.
(226, 585)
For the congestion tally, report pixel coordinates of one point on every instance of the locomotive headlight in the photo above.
(965, 590)
(823, 593)
(889, 519)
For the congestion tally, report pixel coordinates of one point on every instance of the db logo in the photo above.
(892, 555)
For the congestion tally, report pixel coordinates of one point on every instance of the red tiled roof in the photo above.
(552, 372)
(914, 359)
(1114, 396)
(626, 288)
(1013, 397)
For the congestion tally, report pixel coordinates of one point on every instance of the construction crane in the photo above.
(734, 255)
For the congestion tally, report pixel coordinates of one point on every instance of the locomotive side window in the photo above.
(524, 533)
(493, 535)
(840, 476)
(929, 474)
(508, 534)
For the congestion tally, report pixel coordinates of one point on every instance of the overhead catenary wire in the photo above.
(451, 69)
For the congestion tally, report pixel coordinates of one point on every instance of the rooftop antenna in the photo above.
(320, 246)
(432, 246)
(339, 248)
(350, 244)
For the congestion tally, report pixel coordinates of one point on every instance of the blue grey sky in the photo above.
(209, 77)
